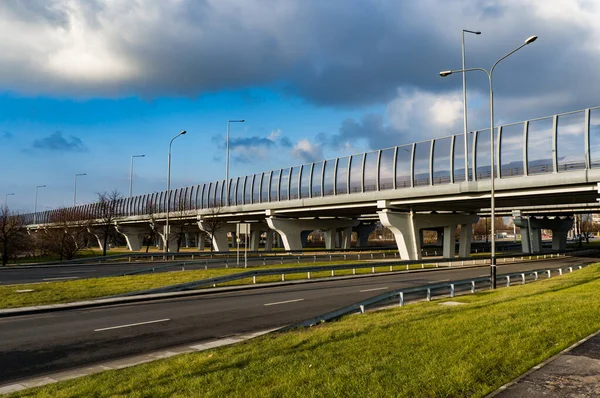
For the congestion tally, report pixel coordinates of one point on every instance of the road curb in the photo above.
(20, 311)
(127, 362)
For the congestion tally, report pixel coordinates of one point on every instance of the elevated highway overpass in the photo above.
(547, 166)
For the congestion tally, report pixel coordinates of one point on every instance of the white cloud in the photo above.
(307, 151)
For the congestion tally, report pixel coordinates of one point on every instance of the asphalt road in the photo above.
(37, 344)
(36, 274)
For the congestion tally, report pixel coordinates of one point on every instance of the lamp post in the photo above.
(169, 191)
(227, 159)
(131, 172)
(464, 82)
(75, 188)
(35, 203)
(492, 162)
(6, 198)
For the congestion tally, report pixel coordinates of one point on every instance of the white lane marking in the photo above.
(132, 324)
(372, 290)
(284, 302)
(77, 272)
(64, 277)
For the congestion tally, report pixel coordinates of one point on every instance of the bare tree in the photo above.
(213, 223)
(13, 236)
(151, 210)
(67, 234)
(107, 216)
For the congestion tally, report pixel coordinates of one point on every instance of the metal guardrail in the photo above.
(308, 270)
(448, 287)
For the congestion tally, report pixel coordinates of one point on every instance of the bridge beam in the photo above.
(406, 228)
(531, 232)
(292, 230)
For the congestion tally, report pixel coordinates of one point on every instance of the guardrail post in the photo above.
(450, 264)
(401, 299)
(536, 275)
(183, 267)
(344, 257)
(452, 290)
(353, 271)
(560, 271)
(422, 265)
(549, 274)
(428, 294)
(507, 280)
(192, 256)
(129, 259)
(308, 274)
(472, 286)
(570, 269)
(371, 256)
(332, 273)
(358, 257)
(437, 265)
(407, 267)
(391, 268)
(330, 257)
(226, 263)
(580, 267)
(254, 279)
(362, 309)
(283, 277)
(315, 258)
(298, 259)
(373, 270)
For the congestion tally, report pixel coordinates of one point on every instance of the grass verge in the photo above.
(84, 289)
(421, 350)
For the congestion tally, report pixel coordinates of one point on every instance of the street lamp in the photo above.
(75, 188)
(464, 82)
(131, 172)
(492, 162)
(35, 203)
(6, 198)
(169, 191)
(227, 159)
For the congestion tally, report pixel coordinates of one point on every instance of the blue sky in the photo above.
(87, 84)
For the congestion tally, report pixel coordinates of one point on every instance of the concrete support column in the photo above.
(448, 243)
(346, 238)
(464, 246)
(200, 239)
(217, 233)
(330, 235)
(134, 235)
(99, 234)
(173, 238)
(406, 227)
(269, 240)
(254, 239)
(362, 233)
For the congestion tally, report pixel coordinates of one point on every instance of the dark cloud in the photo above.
(246, 142)
(286, 142)
(57, 143)
(7, 135)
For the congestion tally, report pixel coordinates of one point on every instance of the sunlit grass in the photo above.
(420, 350)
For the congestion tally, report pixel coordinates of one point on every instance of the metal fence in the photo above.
(559, 143)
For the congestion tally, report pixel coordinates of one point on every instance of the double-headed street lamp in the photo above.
(6, 198)
(131, 173)
(35, 203)
(492, 162)
(75, 188)
(227, 159)
(169, 191)
(464, 82)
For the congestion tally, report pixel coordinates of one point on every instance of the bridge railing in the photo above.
(559, 143)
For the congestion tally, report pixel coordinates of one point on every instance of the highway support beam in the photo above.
(531, 232)
(406, 228)
(292, 230)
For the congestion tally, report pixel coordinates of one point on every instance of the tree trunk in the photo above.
(105, 239)
(4, 255)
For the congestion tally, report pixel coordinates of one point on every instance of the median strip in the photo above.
(132, 324)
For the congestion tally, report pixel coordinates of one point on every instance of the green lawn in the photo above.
(85, 289)
(420, 350)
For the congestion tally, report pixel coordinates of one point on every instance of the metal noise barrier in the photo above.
(399, 294)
